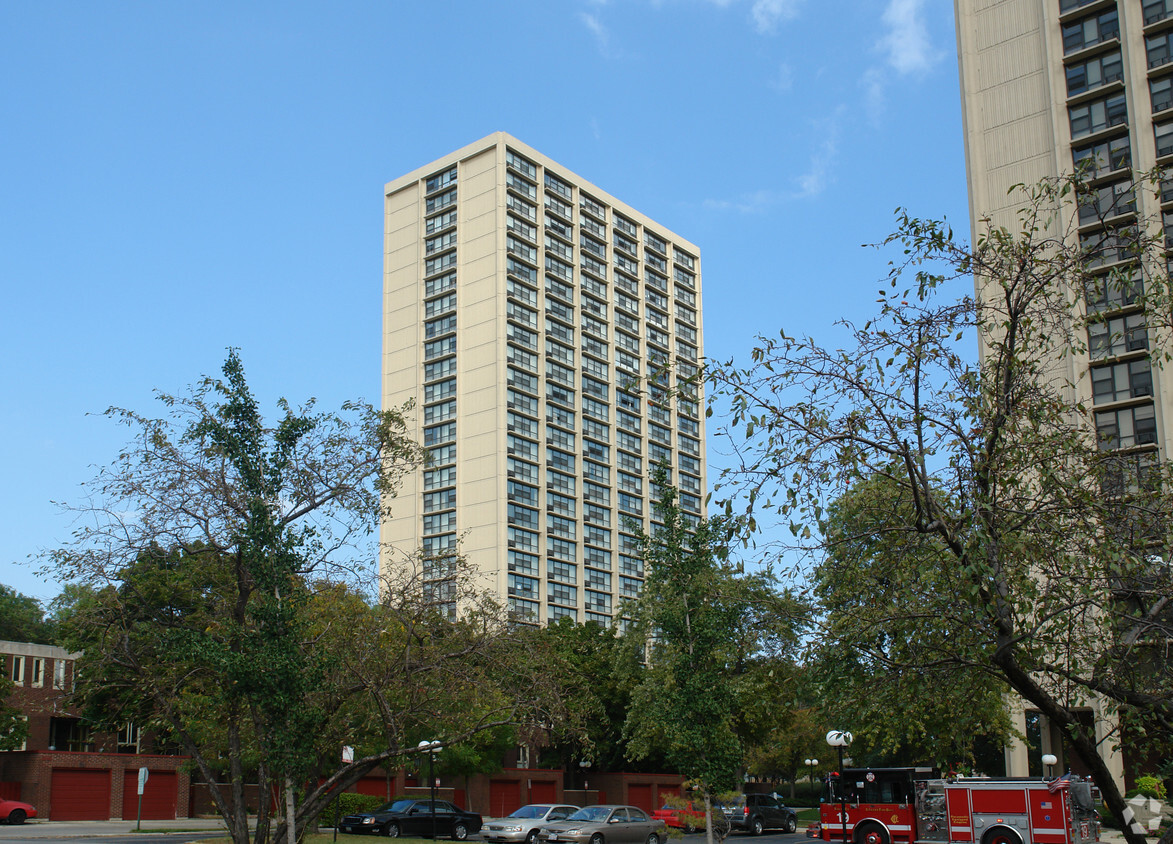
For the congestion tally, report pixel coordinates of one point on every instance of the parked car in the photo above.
(14, 811)
(755, 813)
(606, 825)
(523, 824)
(689, 819)
(413, 817)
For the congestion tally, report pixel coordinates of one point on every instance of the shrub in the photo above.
(347, 804)
(1150, 785)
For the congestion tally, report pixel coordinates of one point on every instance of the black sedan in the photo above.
(414, 818)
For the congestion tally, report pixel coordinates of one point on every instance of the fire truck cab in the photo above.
(917, 806)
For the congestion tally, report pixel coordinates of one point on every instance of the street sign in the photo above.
(143, 774)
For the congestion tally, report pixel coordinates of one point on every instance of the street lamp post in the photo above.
(839, 739)
(583, 766)
(811, 764)
(431, 748)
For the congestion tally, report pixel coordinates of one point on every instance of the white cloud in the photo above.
(819, 172)
(784, 80)
(597, 29)
(767, 13)
(906, 41)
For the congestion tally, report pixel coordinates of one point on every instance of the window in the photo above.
(524, 493)
(596, 472)
(1106, 201)
(598, 601)
(561, 549)
(527, 189)
(559, 438)
(440, 369)
(1095, 160)
(559, 481)
(440, 522)
(521, 425)
(594, 387)
(439, 222)
(591, 265)
(627, 420)
(592, 206)
(1113, 291)
(562, 504)
(521, 402)
(560, 416)
(1097, 115)
(522, 516)
(442, 454)
(439, 348)
(553, 183)
(1131, 426)
(561, 290)
(441, 180)
(1116, 382)
(522, 539)
(1163, 134)
(595, 409)
(631, 483)
(443, 500)
(1116, 337)
(18, 670)
(561, 395)
(562, 209)
(436, 478)
(59, 673)
(1094, 73)
(1161, 93)
(561, 460)
(440, 390)
(523, 587)
(439, 434)
(439, 201)
(595, 347)
(1155, 10)
(520, 206)
(523, 563)
(596, 493)
(522, 336)
(1094, 29)
(439, 412)
(561, 593)
(631, 504)
(597, 557)
(521, 470)
(521, 447)
(596, 515)
(595, 451)
(1159, 48)
(625, 243)
(444, 325)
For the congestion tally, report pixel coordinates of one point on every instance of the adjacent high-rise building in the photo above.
(550, 336)
(1051, 87)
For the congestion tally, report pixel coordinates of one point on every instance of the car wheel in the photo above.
(460, 832)
(689, 829)
(597, 838)
(391, 830)
(532, 838)
(653, 839)
(756, 827)
(17, 816)
(791, 823)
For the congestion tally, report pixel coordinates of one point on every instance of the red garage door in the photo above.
(504, 797)
(542, 791)
(641, 796)
(79, 795)
(158, 797)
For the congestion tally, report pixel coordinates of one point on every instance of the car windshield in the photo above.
(396, 806)
(590, 813)
(530, 812)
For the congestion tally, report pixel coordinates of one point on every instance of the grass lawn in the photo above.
(808, 815)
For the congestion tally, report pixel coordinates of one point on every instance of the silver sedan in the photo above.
(605, 825)
(522, 824)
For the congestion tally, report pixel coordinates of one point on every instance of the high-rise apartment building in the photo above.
(1051, 87)
(550, 335)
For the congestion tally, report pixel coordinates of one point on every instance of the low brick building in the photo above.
(70, 771)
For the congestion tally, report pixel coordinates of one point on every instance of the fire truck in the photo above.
(918, 806)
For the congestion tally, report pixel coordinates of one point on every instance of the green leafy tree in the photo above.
(22, 619)
(1053, 576)
(878, 682)
(689, 614)
(216, 548)
(13, 726)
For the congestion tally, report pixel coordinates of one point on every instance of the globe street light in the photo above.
(1050, 761)
(431, 748)
(583, 766)
(840, 739)
(811, 764)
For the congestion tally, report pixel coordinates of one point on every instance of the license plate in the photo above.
(553, 836)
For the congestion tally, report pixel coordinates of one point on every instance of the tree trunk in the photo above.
(708, 819)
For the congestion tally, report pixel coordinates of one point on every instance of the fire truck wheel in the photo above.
(872, 834)
(1001, 835)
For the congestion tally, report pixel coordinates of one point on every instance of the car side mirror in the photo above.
(615, 820)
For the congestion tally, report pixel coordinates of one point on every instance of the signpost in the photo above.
(143, 775)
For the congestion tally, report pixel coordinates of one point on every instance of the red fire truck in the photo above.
(906, 805)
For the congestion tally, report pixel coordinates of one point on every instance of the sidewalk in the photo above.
(88, 829)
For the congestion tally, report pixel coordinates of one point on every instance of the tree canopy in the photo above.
(1052, 577)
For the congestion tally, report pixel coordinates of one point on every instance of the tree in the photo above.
(869, 558)
(216, 547)
(22, 619)
(13, 725)
(690, 612)
(1054, 578)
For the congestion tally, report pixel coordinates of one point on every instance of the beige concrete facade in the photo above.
(545, 331)
(1048, 86)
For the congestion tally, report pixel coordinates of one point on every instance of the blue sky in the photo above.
(182, 177)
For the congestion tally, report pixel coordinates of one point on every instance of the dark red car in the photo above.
(689, 819)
